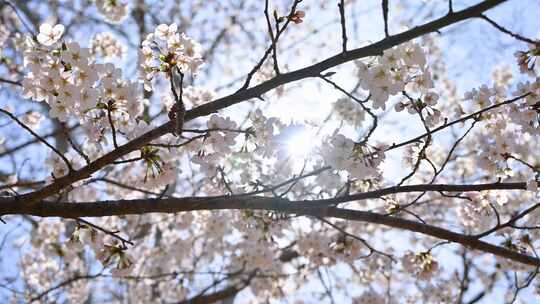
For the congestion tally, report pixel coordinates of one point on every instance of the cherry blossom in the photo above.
(106, 45)
(49, 34)
(114, 11)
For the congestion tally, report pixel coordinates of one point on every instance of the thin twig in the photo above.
(272, 38)
(341, 6)
(20, 123)
(506, 31)
(111, 233)
(13, 82)
(385, 16)
(109, 116)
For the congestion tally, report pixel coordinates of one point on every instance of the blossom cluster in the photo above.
(349, 111)
(528, 60)
(476, 211)
(192, 96)
(342, 153)
(32, 119)
(165, 50)
(107, 253)
(105, 45)
(327, 249)
(427, 103)
(156, 178)
(266, 130)
(196, 95)
(508, 128)
(527, 114)
(114, 11)
(316, 247)
(222, 138)
(422, 264)
(217, 144)
(64, 75)
(390, 73)
(255, 253)
(4, 35)
(57, 165)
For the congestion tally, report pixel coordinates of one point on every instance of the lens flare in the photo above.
(300, 144)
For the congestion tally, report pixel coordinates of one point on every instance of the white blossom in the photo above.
(49, 34)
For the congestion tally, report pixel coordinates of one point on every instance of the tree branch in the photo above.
(341, 6)
(317, 208)
(385, 16)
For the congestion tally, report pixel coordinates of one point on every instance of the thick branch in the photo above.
(17, 205)
(318, 208)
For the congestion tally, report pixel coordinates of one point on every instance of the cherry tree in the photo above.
(277, 151)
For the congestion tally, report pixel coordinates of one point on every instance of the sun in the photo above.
(300, 144)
